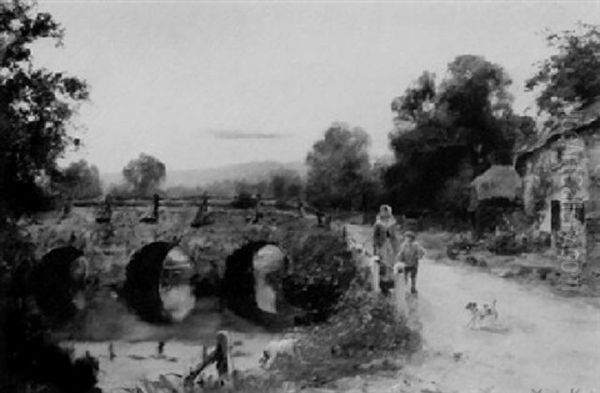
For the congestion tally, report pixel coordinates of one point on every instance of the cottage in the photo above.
(561, 187)
(493, 193)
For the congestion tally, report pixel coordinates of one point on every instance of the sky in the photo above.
(205, 84)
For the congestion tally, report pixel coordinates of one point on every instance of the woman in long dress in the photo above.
(385, 246)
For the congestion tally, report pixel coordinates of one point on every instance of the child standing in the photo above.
(410, 254)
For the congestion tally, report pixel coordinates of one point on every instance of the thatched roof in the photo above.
(500, 181)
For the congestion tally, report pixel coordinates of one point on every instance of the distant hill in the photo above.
(250, 171)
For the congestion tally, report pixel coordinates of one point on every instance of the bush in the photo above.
(504, 243)
(321, 272)
(79, 181)
(35, 362)
(364, 330)
(365, 325)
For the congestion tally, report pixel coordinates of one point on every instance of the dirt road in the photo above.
(543, 342)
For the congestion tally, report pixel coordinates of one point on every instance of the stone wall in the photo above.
(558, 176)
(538, 186)
(570, 239)
(593, 206)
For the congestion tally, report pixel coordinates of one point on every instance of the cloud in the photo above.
(238, 134)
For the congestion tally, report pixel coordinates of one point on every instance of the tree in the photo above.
(339, 168)
(35, 107)
(79, 181)
(417, 100)
(569, 79)
(446, 134)
(285, 184)
(144, 174)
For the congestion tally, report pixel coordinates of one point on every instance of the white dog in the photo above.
(481, 315)
(286, 347)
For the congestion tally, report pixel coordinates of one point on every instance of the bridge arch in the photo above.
(252, 283)
(58, 281)
(157, 284)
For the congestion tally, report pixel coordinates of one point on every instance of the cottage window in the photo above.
(580, 213)
(559, 153)
(555, 216)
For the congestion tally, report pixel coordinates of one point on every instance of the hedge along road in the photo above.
(541, 341)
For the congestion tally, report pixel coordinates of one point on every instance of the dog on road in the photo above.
(481, 316)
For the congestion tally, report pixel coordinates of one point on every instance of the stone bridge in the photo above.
(159, 267)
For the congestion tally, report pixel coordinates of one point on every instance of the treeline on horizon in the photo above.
(446, 131)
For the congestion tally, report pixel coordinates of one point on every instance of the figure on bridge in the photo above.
(156, 205)
(105, 215)
(203, 217)
(258, 213)
(153, 217)
(323, 220)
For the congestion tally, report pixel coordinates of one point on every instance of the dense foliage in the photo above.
(285, 184)
(449, 133)
(340, 174)
(569, 79)
(79, 180)
(36, 106)
(322, 270)
(359, 313)
(144, 175)
(364, 334)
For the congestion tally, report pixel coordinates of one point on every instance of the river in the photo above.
(135, 342)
